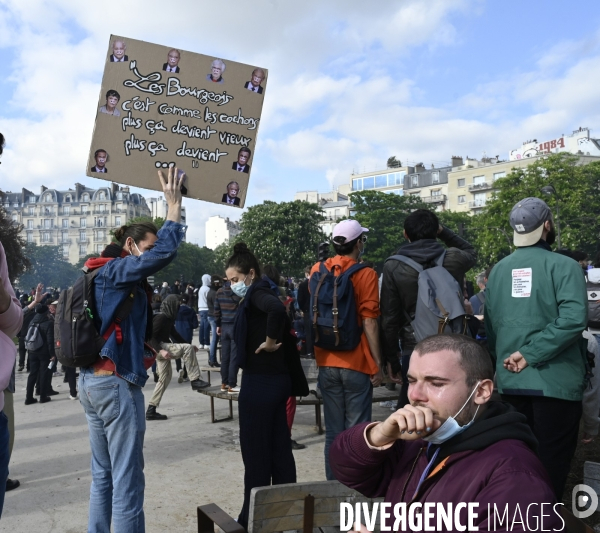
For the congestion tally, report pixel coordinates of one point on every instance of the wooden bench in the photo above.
(312, 507)
(380, 394)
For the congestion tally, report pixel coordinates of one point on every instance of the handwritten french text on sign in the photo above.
(161, 106)
(521, 282)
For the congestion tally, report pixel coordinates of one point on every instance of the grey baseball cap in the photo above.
(527, 219)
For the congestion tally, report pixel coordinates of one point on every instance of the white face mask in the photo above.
(450, 427)
(136, 247)
(240, 288)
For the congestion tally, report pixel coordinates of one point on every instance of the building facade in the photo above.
(159, 208)
(78, 220)
(335, 205)
(220, 230)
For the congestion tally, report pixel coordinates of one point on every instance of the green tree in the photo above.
(13, 244)
(383, 214)
(191, 263)
(392, 162)
(222, 253)
(576, 195)
(47, 266)
(285, 234)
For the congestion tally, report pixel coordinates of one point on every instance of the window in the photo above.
(102, 208)
(99, 248)
(118, 221)
(357, 184)
(47, 223)
(399, 192)
(45, 236)
(498, 175)
(478, 180)
(82, 249)
(415, 194)
(84, 209)
(436, 192)
(119, 195)
(48, 198)
(83, 222)
(16, 204)
(32, 211)
(67, 198)
(30, 237)
(462, 199)
(65, 236)
(369, 183)
(32, 199)
(30, 224)
(100, 234)
(65, 251)
(461, 182)
(85, 197)
(82, 236)
(101, 195)
(381, 181)
(67, 210)
(15, 217)
(479, 199)
(397, 178)
(414, 180)
(65, 222)
(435, 176)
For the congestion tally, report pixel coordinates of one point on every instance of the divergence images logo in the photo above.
(584, 501)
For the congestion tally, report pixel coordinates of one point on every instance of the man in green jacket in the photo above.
(535, 312)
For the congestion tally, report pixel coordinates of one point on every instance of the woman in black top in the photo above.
(266, 386)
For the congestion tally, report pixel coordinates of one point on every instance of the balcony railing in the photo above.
(437, 199)
(99, 239)
(64, 241)
(83, 240)
(101, 212)
(480, 186)
(478, 204)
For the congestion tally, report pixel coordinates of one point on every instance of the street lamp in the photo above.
(551, 191)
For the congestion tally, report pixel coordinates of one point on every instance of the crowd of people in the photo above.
(492, 386)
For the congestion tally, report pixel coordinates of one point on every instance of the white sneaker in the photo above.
(72, 397)
(233, 390)
(57, 374)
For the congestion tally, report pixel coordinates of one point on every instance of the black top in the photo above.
(46, 325)
(163, 330)
(266, 318)
(210, 300)
(304, 296)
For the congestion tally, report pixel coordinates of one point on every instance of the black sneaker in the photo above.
(199, 384)
(296, 446)
(52, 393)
(153, 414)
(20, 369)
(12, 484)
(29, 401)
(45, 399)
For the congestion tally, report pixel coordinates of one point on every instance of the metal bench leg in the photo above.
(318, 418)
(231, 409)
(212, 411)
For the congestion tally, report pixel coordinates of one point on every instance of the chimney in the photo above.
(114, 189)
(42, 189)
(457, 161)
(78, 190)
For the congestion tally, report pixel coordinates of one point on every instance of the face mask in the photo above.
(240, 288)
(136, 247)
(450, 427)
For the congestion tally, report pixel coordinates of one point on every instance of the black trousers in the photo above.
(264, 434)
(555, 424)
(22, 352)
(71, 380)
(308, 332)
(39, 369)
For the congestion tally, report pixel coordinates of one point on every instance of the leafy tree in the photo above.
(285, 234)
(14, 245)
(576, 195)
(384, 215)
(222, 253)
(392, 162)
(47, 266)
(191, 263)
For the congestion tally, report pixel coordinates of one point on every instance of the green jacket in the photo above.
(536, 303)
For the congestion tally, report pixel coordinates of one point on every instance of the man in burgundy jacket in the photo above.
(451, 444)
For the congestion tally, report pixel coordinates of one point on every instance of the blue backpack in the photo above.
(333, 311)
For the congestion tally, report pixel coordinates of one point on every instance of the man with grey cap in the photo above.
(346, 378)
(536, 310)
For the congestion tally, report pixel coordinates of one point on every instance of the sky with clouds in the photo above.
(350, 82)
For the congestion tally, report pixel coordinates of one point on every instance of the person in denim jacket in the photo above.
(111, 389)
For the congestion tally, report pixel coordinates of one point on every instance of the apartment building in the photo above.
(78, 220)
(220, 230)
(335, 205)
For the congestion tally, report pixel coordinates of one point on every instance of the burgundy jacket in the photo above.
(492, 462)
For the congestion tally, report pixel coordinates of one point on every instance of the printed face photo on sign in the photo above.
(241, 165)
(231, 196)
(217, 67)
(119, 47)
(254, 85)
(110, 107)
(172, 64)
(101, 157)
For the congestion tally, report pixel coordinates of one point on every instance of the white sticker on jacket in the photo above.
(521, 282)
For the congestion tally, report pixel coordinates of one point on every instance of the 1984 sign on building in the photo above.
(162, 106)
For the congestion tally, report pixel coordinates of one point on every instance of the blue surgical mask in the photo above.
(450, 427)
(240, 288)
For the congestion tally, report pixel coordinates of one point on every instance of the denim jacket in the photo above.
(112, 285)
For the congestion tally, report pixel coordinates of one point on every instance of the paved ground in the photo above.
(189, 461)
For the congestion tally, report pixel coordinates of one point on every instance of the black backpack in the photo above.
(77, 341)
(333, 310)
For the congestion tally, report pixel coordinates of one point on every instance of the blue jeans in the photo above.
(114, 409)
(229, 366)
(347, 396)
(204, 329)
(4, 457)
(212, 354)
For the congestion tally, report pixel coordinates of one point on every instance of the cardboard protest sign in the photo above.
(160, 106)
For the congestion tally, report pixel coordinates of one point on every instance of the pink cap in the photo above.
(350, 229)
